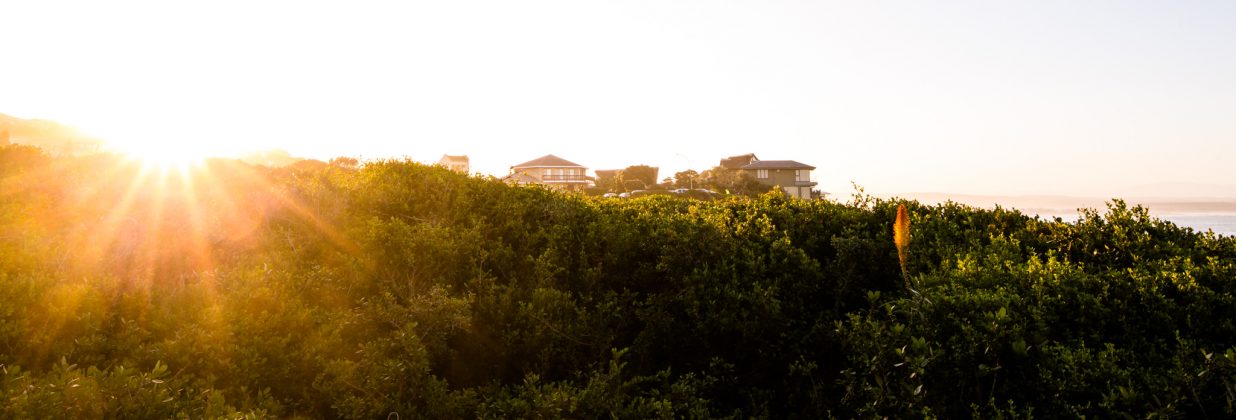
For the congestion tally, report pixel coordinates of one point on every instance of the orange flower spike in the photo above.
(901, 236)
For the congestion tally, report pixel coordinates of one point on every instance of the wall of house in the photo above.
(798, 192)
(561, 174)
(779, 177)
(787, 179)
(539, 175)
(783, 176)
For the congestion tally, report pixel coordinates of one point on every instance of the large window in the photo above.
(761, 173)
(802, 175)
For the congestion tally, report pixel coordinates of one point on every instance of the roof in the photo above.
(460, 158)
(520, 178)
(777, 164)
(548, 161)
(602, 173)
(735, 162)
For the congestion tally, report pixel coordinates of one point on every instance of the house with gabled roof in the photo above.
(791, 176)
(455, 163)
(551, 171)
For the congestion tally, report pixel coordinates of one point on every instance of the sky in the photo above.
(1106, 98)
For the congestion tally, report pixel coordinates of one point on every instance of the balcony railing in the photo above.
(564, 178)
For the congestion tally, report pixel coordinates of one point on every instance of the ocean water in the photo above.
(1222, 224)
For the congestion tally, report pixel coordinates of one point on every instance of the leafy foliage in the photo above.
(646, 175)
(357, 291)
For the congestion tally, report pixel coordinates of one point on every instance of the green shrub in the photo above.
(394, 288)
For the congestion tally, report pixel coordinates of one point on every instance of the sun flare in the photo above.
(163, 142)
(166, 159)
(160, 154)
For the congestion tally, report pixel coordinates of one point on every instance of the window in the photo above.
(761, 173)
(802, 175)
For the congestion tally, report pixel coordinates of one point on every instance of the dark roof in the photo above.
(548, 161)
(605, 173)
(777, 164)
(735, 162)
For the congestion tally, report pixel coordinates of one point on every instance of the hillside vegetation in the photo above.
(335, 291)
(50, 136)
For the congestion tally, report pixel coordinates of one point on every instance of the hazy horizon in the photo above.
(1059, 98)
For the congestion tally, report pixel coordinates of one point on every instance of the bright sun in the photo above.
(158, 144)
(161, 156)
(157, 150)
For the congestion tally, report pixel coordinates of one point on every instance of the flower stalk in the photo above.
(901, 238)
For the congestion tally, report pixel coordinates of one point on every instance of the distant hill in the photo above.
(51, 136)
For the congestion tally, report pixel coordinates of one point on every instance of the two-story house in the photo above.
(793, 177)
(455, 163)
(551, 171)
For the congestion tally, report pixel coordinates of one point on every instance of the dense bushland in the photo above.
(334, 291)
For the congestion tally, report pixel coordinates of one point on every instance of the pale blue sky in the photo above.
(1060, 97)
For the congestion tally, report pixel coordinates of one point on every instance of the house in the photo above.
(793, 177)
(455, 163)
(551, 171)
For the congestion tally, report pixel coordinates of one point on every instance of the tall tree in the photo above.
(732, 181)
(643, 173)
(686, 179)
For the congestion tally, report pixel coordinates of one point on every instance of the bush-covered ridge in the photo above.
(328, 291)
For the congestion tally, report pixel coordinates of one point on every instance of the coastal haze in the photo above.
(1012, 101)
